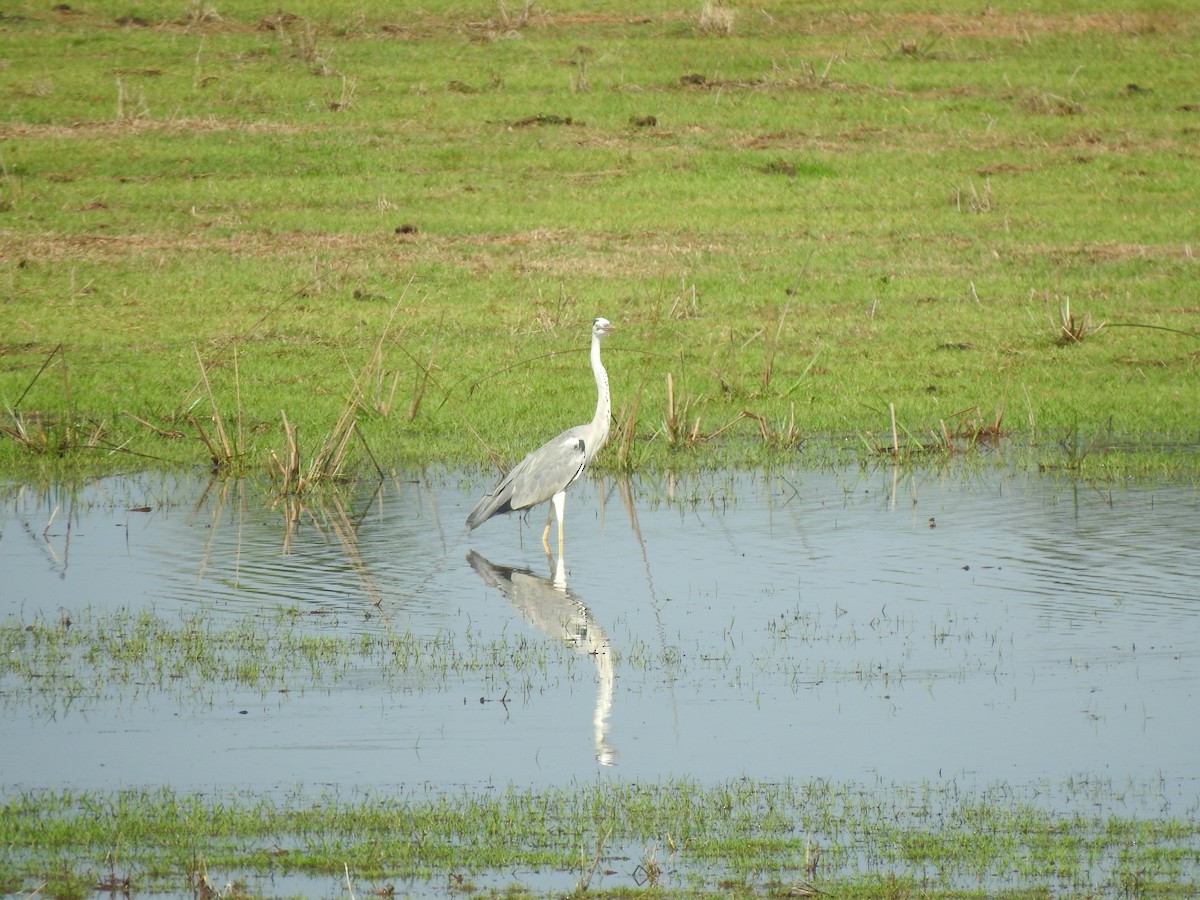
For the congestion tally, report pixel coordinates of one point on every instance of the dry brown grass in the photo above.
(993, 23)
(716, 19)
(678, 427)
(124, 127)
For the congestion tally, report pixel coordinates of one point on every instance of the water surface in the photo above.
(881, 627)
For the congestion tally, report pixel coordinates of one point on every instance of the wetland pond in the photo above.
(879, 627)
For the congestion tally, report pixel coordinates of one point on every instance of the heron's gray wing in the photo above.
(549, 469)
(535, 479)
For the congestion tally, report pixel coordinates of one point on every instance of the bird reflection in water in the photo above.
(549, 606)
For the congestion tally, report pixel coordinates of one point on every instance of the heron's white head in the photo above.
(601, 327)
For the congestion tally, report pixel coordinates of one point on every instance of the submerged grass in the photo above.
(738, 837)
(807, 216)
(76, 661)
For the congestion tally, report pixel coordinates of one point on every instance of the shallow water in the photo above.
(881, 627)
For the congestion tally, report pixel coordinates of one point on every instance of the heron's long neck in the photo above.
(599, 427)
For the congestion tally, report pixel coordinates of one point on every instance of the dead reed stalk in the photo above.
(771, 347)
(328, 462)
(426, 368)
(222, 450)
(675, 424)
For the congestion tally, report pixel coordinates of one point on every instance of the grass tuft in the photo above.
(47, 434)
(678, 427)
(223, 452)
(716, 19)
(1070, 330)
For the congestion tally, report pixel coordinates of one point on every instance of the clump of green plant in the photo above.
(1070, 329)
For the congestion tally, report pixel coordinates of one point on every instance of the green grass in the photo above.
(735, 838)
(835, 211)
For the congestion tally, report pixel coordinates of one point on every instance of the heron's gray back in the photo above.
(538, 477)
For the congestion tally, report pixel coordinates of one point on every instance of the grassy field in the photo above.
(838, 230)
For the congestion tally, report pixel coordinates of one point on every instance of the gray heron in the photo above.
(547, 472)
